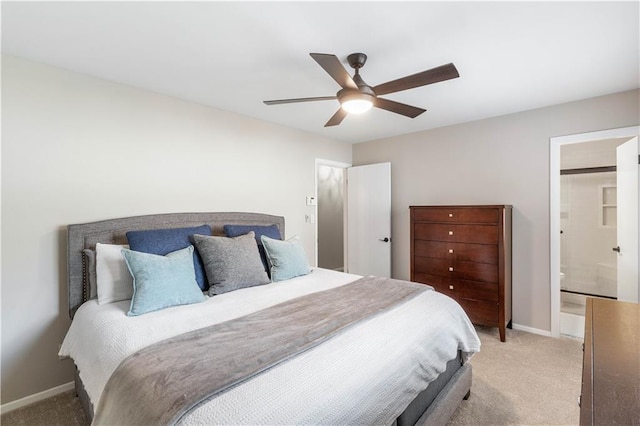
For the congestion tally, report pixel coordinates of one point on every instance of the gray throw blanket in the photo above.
(163, 382)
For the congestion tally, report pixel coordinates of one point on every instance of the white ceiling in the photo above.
(512, 56)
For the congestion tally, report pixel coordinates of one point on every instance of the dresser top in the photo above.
(479, 206)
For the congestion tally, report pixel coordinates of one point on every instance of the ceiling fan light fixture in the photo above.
(356, 103)
(357, 97)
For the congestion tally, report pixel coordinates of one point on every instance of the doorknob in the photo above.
(616, 249)
(384, 240)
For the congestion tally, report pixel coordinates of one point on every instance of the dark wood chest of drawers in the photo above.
(611, 364)
(465, 253)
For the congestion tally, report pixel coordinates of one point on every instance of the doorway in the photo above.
(331, 221)
(583, 227)
(588, 225)
(353, 211)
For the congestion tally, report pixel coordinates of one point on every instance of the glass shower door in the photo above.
(588, 226)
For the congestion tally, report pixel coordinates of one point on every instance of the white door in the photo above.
(369, 220)
(627, 210)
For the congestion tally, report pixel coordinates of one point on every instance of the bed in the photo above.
(403, 364)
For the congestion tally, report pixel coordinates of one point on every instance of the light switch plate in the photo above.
(311, 200)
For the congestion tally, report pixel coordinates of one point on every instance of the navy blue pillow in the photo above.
(165, 241)
(270, 231)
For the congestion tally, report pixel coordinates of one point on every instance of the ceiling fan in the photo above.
(356, 96)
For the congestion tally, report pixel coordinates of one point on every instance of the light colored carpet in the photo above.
(528, 380)
(61, 410)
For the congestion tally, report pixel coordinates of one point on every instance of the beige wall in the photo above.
(77, 149)
(502, 160)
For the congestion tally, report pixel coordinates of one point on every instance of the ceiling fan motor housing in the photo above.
(357, 60)
(362, 93)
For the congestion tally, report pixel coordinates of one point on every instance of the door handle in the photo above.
(384, 240)
(616, 249)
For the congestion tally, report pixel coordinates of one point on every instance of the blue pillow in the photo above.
(287, 259)
(162, 281)
(271, 231)
(165, 241)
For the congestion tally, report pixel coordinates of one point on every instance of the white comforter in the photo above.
(367, 374)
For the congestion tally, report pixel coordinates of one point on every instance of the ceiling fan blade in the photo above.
(291, 101)
(398, 108)
(434, 75)
(331, 64)
(337, 118)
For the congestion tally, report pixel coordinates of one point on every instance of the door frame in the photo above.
(339, 165)
(554, 207)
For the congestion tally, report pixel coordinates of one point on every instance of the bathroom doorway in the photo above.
(588, 212)
(331, 214)
(584, 225)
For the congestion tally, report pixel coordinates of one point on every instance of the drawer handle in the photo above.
(450, 232)
(450, 268)
(450, 214)
(450, 287)
(450, 251)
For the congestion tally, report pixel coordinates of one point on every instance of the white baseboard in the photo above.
(19, 403)
(530, 330)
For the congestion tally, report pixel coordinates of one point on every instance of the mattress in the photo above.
(369, 374)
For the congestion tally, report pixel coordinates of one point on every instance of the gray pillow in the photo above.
(231, 263)
(90, 279)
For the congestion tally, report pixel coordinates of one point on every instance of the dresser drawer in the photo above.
(473, 271)
(440, 284)
(482, 253)
(482, 234)
(481, 312)
(457, 289)
(457, 214)
(476, 290)
(432, 266)
(425, 278)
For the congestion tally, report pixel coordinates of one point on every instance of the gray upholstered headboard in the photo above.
(112, 231)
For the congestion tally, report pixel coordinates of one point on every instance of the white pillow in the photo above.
(113, 279)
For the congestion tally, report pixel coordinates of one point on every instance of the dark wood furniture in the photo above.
(611, 364)
(465, 253)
